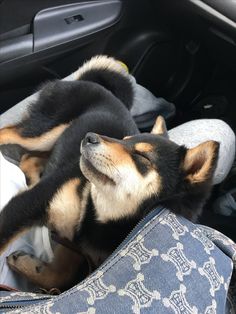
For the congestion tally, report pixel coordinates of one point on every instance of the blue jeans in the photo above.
(166, 265)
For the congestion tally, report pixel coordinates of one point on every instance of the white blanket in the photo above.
(36, 241)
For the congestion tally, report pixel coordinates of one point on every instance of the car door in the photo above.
(41, 40)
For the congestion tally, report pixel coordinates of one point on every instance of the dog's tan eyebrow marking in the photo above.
(127, 137)
(116, 149)
(143, 147)
(44, 142)
(66, 209)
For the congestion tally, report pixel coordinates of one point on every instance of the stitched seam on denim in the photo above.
(159, 219)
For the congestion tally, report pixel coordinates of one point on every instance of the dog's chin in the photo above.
(93, 174)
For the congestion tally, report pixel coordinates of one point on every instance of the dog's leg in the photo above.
(21, 213)
(67, 207)
(58, 203)
(33, 165)
(64, 271)
(42, 142)
(25, 210)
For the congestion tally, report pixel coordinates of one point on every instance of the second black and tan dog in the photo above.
(94, 188)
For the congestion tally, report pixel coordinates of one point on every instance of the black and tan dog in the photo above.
(94, 188)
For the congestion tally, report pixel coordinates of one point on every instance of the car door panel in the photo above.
(62, 41)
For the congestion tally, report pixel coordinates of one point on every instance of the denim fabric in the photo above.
(167, 265)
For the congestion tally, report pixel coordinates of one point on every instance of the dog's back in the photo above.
(97, 111)
(57, 121)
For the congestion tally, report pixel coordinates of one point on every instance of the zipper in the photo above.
(24, 302)
(154, 213)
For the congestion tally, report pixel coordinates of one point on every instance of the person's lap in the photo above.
(153, 251)
(189, 134)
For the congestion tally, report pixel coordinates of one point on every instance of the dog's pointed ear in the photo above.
(159, 127)
(200, 162)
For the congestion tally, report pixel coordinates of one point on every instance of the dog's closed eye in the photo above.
(143, 155)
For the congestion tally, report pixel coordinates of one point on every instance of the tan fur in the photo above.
(83, 203)
(199, 161)
(44, 142)
(115, 202)
(107, 159)
(33, 166)
(128, 189)
(59, 273)
(101, 63)
(12, 239)
(116, 153)
(143, 147)
(159, 127)
(66, 209)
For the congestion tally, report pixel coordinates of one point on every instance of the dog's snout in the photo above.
(91, 138)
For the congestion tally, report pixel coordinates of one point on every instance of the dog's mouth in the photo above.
(89, 167)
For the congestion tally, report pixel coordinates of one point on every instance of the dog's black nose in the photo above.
(91, 138)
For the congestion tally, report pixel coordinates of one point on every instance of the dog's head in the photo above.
(144, 167)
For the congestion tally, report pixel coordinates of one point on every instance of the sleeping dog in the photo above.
(92, 189)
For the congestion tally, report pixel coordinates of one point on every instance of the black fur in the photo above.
(120, 86)
(90, 107)
(177, 193)
(99, 103)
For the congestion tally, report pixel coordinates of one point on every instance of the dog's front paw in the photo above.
(25, 264)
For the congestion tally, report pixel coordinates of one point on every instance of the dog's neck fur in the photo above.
(108, 207)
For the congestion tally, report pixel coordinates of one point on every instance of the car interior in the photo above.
(183, 51)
